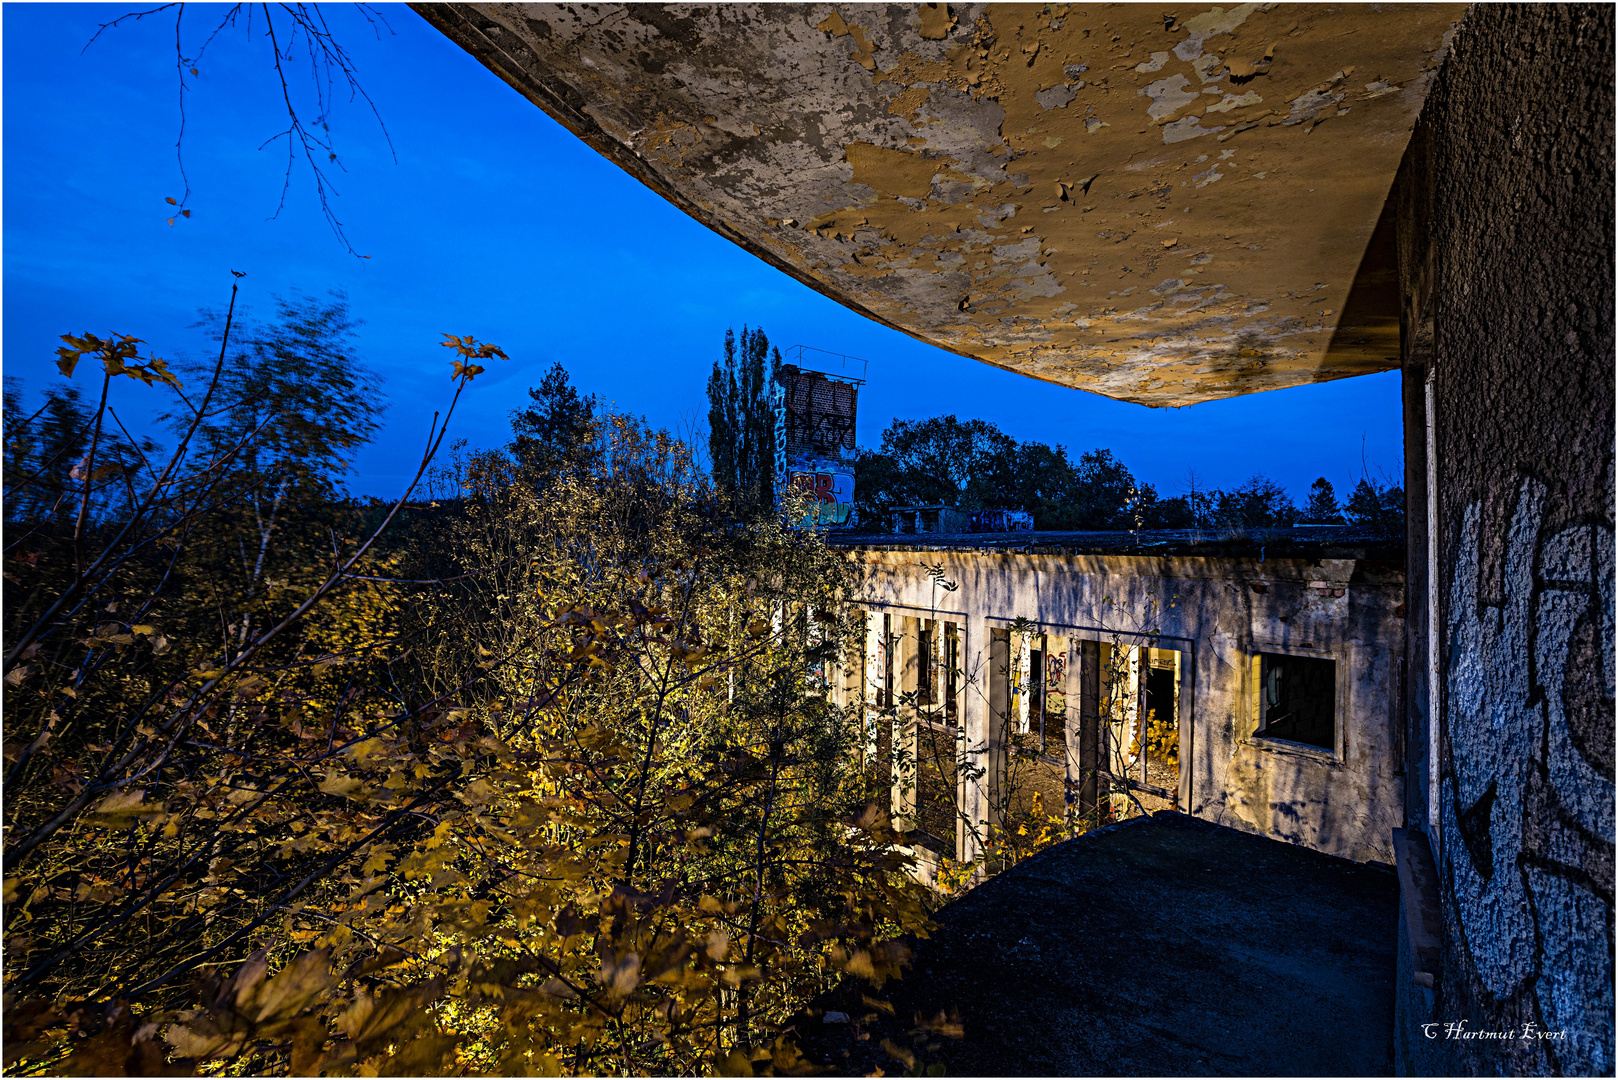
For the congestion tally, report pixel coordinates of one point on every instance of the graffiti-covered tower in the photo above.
(814, 434)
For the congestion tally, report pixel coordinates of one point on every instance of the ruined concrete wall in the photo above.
(1506, 251)
(1218, 613)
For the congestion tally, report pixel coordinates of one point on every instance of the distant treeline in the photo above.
(973, 465)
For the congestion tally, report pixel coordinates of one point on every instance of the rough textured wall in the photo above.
(1159, 206)
(1506, 237)
(1217, 612)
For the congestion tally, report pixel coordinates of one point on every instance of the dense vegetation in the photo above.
(741, 421)
(534, 775)
(531, 770)
(973, 465)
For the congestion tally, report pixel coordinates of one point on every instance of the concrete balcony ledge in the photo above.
(1418, 891)
(1163, 946)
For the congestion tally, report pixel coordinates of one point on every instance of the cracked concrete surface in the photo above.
(1162, 946)
(1161, 208)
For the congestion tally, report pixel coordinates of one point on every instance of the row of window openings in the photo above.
(1297, 694)
(1297, 702)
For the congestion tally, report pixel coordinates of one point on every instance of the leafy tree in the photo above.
(973, 465)
(290, 406)
(1322, 507)
(1039, 481)
(551, 433)
(46, 459)
(951, 461)
(1258, 503)
(577, 805)
(741, 421)
(292, 395)
(1105, 494)
(40, 449)
(136, 705)
(880, 484)
(1376, 508)
(1175, 512)
(942, 460)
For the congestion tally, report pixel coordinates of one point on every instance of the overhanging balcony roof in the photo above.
(1163, 208)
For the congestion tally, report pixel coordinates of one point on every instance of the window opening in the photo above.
(1053, 700)
(877, 744)
(936, 737)
(1160, 759)
(885, 698)
(1141, 696)
(818, 673)
(1298, 699)
(1036, 687)
(1035, 696)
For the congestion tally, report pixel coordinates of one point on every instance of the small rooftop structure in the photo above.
(928, 519)
(948, 520)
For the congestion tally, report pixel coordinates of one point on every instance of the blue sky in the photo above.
(493, 221)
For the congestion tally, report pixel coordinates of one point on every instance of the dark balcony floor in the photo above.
(1163, 946)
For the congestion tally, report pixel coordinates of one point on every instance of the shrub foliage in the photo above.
(537, 778)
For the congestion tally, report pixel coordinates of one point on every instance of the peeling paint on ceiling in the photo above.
(1163, 208)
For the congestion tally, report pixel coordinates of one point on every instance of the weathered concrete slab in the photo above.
(1162, 207)
(1163, 946)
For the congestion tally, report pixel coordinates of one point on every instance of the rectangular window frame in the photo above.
(1254, 692)
(1079, 744)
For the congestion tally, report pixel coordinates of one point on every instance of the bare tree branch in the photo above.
(328, 63)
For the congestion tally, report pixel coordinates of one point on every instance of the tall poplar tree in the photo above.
(741, 423)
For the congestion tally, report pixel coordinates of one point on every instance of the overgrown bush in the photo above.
(535, 780)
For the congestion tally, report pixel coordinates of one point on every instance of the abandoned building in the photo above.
(1257, 681)
(1174, 207)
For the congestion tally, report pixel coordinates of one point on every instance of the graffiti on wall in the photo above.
(814, 442)
(778, 397)
(1056, 680)
(830, 486)
(1528, 798)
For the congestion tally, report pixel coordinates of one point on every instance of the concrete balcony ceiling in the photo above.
(1160, 203)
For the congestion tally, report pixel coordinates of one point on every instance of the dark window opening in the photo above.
(1047, 695)
(937, 791)
(880, 740)
(1160, 691)
(952, 663)
(885, 689)
(1298, 699)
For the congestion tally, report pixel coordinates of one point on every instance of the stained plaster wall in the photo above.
(1217, 612)
(1505, 234)
(1162, 207)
